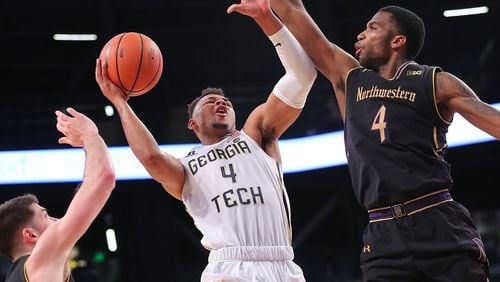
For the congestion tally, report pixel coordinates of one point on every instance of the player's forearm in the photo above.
(295, 85)
(286, 8)
(140, 139)
(295, 17)
(268, 22)
(98, 162)
(98, 183)
(487, 118)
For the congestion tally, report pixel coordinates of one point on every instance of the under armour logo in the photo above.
(367, 249)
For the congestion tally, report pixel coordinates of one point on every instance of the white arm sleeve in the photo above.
(295, 85)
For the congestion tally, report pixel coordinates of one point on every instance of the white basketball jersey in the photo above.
(235, 193)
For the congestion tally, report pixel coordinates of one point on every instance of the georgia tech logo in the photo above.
(367, 248)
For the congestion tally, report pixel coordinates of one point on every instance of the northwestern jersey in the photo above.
(395, 137)
(17, 272)
(235, 193)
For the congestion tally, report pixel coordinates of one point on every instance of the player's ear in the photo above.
(191, 124)
(29, 234)
(398, 41)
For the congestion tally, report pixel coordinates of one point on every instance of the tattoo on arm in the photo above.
(469, 97)
(446, 84)
(449, 84)
(462, 90)
(485, 108)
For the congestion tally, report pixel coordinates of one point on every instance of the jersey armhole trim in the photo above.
(25, 273)
(435, 70)
(347, 77)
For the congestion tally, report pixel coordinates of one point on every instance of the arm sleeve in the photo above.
(295, 85)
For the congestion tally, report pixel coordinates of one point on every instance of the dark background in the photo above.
(203, 46)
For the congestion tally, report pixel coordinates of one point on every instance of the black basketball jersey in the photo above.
(394, 136)
(17, 272)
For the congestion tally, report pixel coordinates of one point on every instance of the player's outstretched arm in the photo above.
(53, 247)
(272, 118)
(455, 96)
(163, 167)
(331, 61)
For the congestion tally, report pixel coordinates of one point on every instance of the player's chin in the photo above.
(364, 62)
(221, 125)
(371, 62)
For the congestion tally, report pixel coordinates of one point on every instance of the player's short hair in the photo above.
(204, 92)
(410, 25)
(14, 215)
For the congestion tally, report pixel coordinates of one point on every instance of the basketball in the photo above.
(134, 62)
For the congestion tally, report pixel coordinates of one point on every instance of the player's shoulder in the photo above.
(424, 67)
(356, 71)
(412, 70)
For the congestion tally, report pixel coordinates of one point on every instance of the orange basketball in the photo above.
(134, 62)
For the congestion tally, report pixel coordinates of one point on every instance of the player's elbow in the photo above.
(146, 156)
(306, 74)
(152, 160)
(310, 75)
(107, 177)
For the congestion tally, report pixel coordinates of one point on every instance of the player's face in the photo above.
(215, 112)
(373, 47)
(41, 219)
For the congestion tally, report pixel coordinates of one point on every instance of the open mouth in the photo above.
(221, 110)
(357, 49)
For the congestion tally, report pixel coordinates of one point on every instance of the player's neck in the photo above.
(388, 70)
(21, 254)
(213, 139)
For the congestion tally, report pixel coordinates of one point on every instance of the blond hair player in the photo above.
(40, 245)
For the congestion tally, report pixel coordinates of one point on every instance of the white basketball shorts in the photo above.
(243, 263)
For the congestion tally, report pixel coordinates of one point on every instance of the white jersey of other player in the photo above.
(235, 193)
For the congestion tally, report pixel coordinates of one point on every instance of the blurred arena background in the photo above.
(203, 46)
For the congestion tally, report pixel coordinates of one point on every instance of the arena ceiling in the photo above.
(202, 46)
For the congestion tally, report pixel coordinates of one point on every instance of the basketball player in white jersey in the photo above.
(232, 185)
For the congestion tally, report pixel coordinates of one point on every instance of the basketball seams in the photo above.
(117, 51)
(155, 77)
(131, 90)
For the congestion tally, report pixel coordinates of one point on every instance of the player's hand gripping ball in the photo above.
(134, 62)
